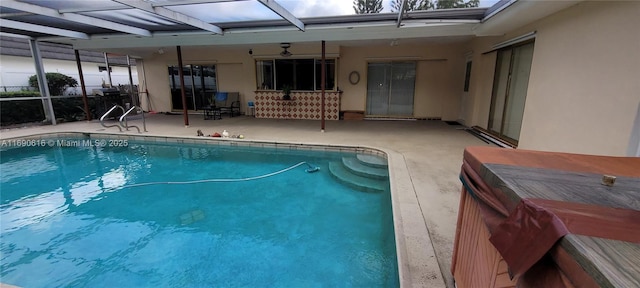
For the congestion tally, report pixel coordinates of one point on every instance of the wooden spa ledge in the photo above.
(542, 219)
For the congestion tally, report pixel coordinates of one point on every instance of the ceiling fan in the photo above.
(284, 52)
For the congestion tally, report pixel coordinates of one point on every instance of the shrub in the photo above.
(20, 111)
(27, 111)
(57, 82)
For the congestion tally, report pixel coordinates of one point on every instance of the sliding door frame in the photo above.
(198, 100)
(507, 94)
(388, 81)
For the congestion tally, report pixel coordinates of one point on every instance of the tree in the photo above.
(448, 4)
(57, 82)
(367, 6)
(414, 5)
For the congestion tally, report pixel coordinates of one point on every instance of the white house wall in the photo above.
(16, 70)
(585, 78)
(583, 89)
(439, 76)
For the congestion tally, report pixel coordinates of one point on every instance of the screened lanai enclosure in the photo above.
(149, 31)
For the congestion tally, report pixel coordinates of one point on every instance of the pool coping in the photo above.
(417, 262)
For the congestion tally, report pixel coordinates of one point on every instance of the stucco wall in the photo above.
(439, 75)
(583, 91)
(584, 80)
(481, 82)
(154, 71)
(236, 68)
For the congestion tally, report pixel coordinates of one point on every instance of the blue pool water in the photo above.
(68, 218)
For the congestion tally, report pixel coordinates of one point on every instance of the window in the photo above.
(330, 70)
(264, 70)
(467, 77)
(294, 73)
(299, 74)
(634, 140)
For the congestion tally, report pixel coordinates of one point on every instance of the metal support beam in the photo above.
(401, 13)
(106, 62)
(284, 13)
(40, 10)
(42, 82)
(184, 94)
(5, 34)
(134, 97)
(170, 14)
(92, 9)
(42, 29)
(189, 2)
(323, 71)
(85, 101)
(160, 4)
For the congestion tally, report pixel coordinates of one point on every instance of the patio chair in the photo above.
(211, 111)
(228, 102)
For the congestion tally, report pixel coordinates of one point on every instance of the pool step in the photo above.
(343, 175)
(355, 166)
(373, 161)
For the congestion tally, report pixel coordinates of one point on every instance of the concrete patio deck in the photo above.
(427, 156)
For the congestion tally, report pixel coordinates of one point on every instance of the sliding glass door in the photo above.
(390, 88)
(510, 85)
(199, 84)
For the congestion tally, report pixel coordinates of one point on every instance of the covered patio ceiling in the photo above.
(138, 27)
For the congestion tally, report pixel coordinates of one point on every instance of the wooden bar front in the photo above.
(576, 260)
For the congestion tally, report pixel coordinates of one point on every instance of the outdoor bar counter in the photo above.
(303, 105)
(543, 219)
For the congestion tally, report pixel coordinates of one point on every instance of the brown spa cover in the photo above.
(542, 205)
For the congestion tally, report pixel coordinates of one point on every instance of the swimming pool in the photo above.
(71, 217)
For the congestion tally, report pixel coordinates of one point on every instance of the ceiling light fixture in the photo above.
(284, 52)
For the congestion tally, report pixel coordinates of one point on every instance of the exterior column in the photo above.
(322, 86)
(184, 95)
(106, 62)
(87, 112)
(134, 100)
(42, 82)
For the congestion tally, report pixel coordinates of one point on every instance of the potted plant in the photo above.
(286, 91)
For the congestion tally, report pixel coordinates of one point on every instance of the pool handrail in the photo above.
(123, 119)
(107, 114)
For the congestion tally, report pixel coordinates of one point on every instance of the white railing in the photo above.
(107, 114)
(122, 121)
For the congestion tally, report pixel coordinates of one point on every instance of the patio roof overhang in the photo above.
(138, 28)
